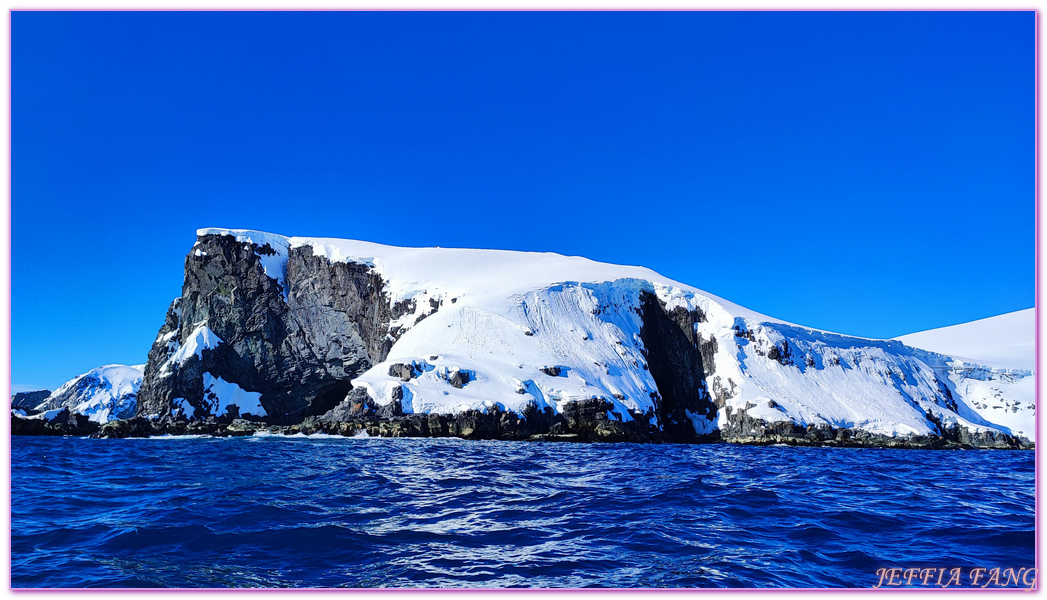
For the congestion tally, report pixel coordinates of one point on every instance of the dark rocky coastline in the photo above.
(582, 422)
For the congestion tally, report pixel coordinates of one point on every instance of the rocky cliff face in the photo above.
(677, 362)
(297, 338)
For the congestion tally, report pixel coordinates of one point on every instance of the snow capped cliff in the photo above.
(455, 330)
(481, 275)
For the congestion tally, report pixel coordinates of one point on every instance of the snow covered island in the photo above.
(290, 334)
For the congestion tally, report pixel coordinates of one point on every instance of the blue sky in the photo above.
(866, 173)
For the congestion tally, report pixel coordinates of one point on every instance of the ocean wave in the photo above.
(211, 512)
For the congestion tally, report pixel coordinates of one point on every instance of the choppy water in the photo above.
(203, 512)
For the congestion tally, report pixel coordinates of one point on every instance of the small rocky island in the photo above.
(304, 336)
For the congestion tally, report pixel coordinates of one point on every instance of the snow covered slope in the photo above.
(990, 364)
(1005, 341)
(498, 330)
(103, 394)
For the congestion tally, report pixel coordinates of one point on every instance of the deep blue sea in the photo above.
(277, 512)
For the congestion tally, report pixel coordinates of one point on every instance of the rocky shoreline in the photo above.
(584, 424)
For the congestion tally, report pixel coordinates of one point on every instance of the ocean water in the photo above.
(331, 512)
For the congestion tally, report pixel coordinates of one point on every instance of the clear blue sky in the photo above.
(867, 173)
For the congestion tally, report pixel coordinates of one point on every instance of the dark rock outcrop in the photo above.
(677, 366)
(458, 378)
(62, 423)
(741, 428)
(299, 347)
(29, 400)
(403, 371)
